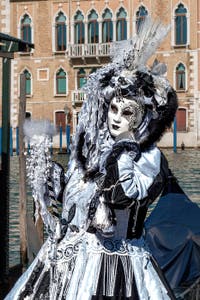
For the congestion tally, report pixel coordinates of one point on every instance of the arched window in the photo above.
(180, 25)
(180, 77)
(61, 32)
(140, 17)
(181, 119)
(26, 33)
(107, 27)
(60, 119)
(79, 28)
(28, 82)
(121, 25)
(81, 78)
(93, 28)
(61, 86)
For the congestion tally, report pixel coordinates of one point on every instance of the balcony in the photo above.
(78, 97)
(89, 50)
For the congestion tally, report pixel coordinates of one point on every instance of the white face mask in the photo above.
(123, 115)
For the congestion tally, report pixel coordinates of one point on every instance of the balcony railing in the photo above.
(89, 50)
(78, 96)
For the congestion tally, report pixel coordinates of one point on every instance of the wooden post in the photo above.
(175, 136)
(11, 141)
(22, 174)
(8, 45)
(0, 141)
(17, 140)
(68, 138)
(60, 128)
(4, 178)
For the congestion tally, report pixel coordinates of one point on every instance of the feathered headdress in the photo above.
(134, 53)
(135, 80)
(126, 76)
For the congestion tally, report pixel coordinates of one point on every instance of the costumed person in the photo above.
(97, 249)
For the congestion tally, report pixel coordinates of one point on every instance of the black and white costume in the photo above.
(97, 251)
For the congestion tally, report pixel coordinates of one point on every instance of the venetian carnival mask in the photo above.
(126, 99)
(124, 115)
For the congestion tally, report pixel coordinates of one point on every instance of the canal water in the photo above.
(185, 164)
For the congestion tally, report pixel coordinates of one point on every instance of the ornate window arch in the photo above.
(93, 27)
(121, 25)
(107, 26)
(60, 32)
(61, 82)
(81, 78)
(180, 77)
(79, 28)
(26, 28)
(140, 16)
(28, 84)
(180, 25)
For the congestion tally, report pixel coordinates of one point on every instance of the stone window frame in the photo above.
(140, 19)
(108, 23)
(56, 83)
(38, 74)
(173, 29)
(29, 95)
(93, 22)
(31, 50)
(176, 78)
(54, 49)
(78, 23)
(118, 19)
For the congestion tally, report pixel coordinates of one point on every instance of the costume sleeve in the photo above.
(129, 179)
(55, 182)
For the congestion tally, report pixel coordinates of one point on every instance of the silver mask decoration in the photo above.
(124, 115)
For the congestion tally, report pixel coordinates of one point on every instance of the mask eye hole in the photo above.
(127, 113)
(114, 108)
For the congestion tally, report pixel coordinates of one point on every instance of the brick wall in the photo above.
(43, 102)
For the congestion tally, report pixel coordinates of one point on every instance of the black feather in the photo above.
(157, 127)
(79, 154)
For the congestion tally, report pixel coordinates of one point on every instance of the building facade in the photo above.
(5, 28)
(73, 38)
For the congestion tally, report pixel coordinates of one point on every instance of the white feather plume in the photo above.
(38, 127)
(38, 163)
(134, 53)
(150, 36)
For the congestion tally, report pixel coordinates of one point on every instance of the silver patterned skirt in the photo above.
(90, 266)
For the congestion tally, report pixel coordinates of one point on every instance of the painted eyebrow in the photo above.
(130, 108)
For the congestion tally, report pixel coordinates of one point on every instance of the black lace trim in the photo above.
(32, 280)
(43, 288)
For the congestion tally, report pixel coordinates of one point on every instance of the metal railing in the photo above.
(89, 50)
(78, 96)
